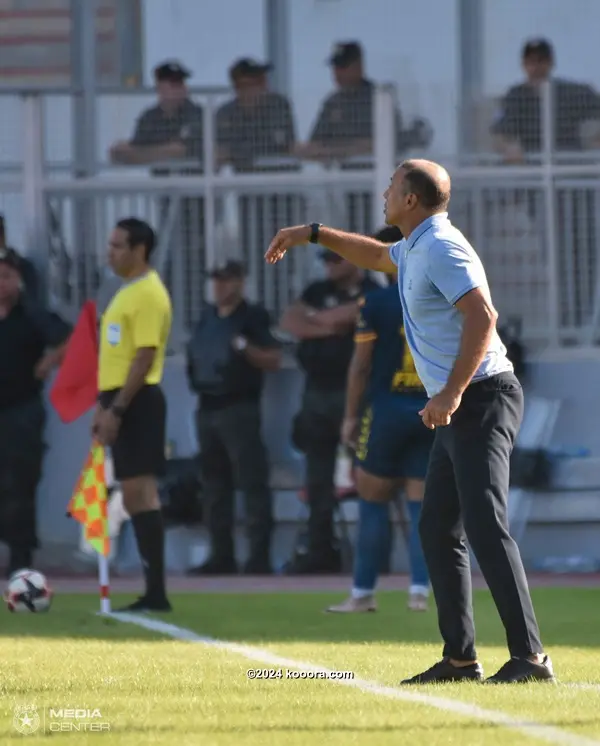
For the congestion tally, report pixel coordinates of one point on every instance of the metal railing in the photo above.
(534, 224)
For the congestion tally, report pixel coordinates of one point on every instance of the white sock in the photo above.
(361, 593)
(419, 590)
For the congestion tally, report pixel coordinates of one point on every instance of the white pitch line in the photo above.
(547, 733)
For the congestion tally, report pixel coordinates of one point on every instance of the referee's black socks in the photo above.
(150, 536)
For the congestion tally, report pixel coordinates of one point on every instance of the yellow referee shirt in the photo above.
(138, 316)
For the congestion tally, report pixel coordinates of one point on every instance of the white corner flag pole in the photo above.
(104, 584)
(103, 574)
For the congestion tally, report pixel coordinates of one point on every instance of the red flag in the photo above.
(75, 388)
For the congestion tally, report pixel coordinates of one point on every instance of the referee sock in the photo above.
(371, 546)
(419, 576)
(150, 536)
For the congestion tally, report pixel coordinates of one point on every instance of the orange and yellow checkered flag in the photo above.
(88, 505)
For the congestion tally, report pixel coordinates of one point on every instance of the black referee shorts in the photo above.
(139, 449)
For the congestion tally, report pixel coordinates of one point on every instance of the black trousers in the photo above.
(466, 495)
(317, 434)
(232, 455)
(21, 455)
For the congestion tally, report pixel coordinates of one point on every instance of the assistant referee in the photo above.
(131, 412)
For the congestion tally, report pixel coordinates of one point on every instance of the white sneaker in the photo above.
(417, 602)
(354, 605)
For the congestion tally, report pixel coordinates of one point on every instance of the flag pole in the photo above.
(103, 566)
(103, 579)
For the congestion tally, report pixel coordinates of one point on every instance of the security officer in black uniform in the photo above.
(32, 343)
(324, 320)
(230, 348)
(344, 127)
(173, 130)
(256, 123)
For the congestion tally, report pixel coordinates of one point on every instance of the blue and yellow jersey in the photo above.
(392, 369)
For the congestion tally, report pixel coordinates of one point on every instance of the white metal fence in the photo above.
(534, 223)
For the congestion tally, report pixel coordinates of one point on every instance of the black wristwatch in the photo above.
(117, 411)
(314, 232)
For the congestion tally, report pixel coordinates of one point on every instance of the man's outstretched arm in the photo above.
(363, 251)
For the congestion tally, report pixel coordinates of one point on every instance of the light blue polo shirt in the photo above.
(436, 267)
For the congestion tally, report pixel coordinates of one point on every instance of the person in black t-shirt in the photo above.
(256, 123)
(518, 133)
(32, 343)
(344, 126)
(324, 320)
(171, 130)
(230, 348)
(518, 126)
(172, 134)
(255, 132)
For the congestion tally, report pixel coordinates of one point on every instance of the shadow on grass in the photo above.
(568, 617)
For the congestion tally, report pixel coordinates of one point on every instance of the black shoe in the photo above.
(214, 566)
(147, 604)
(315, 564)
(523, 671)
(444, 671)
(257, 567)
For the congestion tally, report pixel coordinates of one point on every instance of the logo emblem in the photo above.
(113, 334)
(26, 719)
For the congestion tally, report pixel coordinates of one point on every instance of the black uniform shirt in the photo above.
(266, 129)
(25, 334)
(326, 360)
(520, 114)
(216, 371)
(347, 116)
(156, 127)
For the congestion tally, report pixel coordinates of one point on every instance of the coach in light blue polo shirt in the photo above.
(436, 268)
(475, 408)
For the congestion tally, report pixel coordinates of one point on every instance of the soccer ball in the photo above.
(28, 590)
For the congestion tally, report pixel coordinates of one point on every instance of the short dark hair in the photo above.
(138, 232)
(429, 191)
(540, 48)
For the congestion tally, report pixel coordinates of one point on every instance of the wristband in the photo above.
(314, 233)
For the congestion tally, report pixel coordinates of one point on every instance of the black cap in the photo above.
(345, 53)
(171, 70)
(229, 270)
(247, 66)
(539, 47)
(10, 258)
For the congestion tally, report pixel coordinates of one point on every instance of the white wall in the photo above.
(571, 25)
(206, 35)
